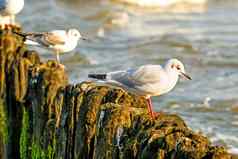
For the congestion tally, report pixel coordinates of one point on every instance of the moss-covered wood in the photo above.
(42, 116)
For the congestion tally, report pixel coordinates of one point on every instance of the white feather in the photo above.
(29, 42)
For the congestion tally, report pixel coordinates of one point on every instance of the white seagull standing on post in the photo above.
(147, 80)
(60, 41)
(8, 10)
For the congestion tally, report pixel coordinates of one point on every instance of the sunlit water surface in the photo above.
(204, 37)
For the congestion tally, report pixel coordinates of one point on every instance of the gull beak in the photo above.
(186, 76)
(84, 39)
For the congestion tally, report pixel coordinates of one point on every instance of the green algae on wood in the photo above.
(3, 130)
(38, 153)
(3, 123)
(24, 139)
(11, 50)
(45, 98)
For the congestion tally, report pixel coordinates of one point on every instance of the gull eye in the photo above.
(74, 34)
(178, 68)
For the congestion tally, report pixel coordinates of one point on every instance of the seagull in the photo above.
(146, 80)
(60, 41)
(8, 10)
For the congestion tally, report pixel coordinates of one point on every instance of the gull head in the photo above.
(177, 66)
(74, 34)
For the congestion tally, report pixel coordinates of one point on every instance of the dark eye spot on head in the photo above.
(178, 68)
(172, 66)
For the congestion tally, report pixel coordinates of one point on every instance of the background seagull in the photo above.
(58, 40)
(8, 10)
(147, 80)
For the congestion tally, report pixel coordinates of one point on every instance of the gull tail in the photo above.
(98, 76)
(24, 35)
(26, 39)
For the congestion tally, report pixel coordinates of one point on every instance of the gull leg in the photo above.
(149, 106)
(57, 56)
(58, 59)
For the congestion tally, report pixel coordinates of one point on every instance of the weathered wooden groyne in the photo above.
(42, 116)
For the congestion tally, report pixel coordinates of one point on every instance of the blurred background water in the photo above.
(203, 36)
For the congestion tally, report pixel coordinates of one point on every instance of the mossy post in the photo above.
(15, 61)
(42, 116)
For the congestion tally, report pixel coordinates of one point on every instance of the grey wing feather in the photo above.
(54, 39)
(38, 38)
(148, 74)
(123, 77)
(134, 78)
(46, 39)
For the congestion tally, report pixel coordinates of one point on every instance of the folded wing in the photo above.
(135, 78)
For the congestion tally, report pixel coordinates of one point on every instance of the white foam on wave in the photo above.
(231, 142)
(233, 150)
(218, 136)
(162, 3)
(227, 137)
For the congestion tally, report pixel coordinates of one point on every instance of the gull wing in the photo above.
(147, 74)
(135, 78)
(48, 38)
(55, 39)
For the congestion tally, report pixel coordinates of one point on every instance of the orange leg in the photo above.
(150, 108)
(152, 113)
